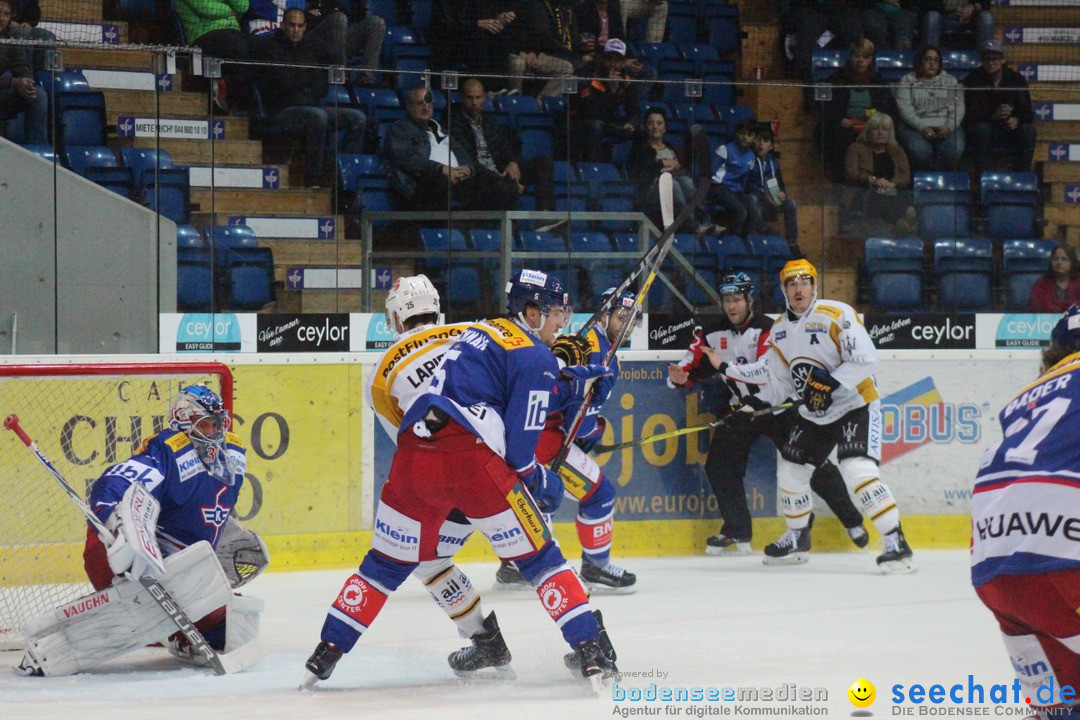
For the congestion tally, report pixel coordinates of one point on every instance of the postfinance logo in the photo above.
(862, 693)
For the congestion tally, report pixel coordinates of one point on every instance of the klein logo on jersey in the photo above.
(503, 534)
(399, 534)
(534, 277)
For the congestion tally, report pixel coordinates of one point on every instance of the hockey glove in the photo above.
(602, 389)
(571, 349)
(134, 524)
(588, 442)
(576, 378)
(545, 486)
(819, 389)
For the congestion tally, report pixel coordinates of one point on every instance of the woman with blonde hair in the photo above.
(858, 91)
(878, 176)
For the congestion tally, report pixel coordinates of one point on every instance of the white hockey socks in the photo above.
(98, 627)
(454, 593)
(793, 479)
(874, 497)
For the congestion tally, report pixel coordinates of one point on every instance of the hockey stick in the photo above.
(667, 200)
(663, 243)
(157, 592)
(774, 410)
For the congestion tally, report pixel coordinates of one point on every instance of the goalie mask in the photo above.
(408, 298)
(199, 412)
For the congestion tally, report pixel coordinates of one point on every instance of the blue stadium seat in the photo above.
(251, 278)
(684, 23)
(617, 204)
(773, 250)
(964, 268)
(421, 14)
(700, 54)
(1022, 263)
(894, 64)
(943, 202)
(194, 279)
(188, 236)
(379, 103)
(395, 34)
(62, 81)
(386, 9)
(826, 62)
(894, 268)
(695, 293)
(224, 239)
(439, 243)
(732, 115)
(655, 52)
(722, 27)
(534, 241)
(720, 247)
(596, 175)
(142, 162)
(959, 63)
(117, 179)
(568, 182)
(589, 242)
(168, 192)
(46, 152)
(462, 287)
(80, 118)
(80, 158)
(536, 143)
(627, 242)
(1011, 201)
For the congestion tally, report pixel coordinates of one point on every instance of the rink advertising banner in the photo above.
(301, 427)
(1014, 331)
(206, 332)
(921, 331)
(309, 332)
(669, 331)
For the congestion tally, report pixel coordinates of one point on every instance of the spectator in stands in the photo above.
(956, 16)
(357, 33)
(890, 24)
(1059, 288)
(26, 14)
(213, 26)
(471, 34)
(601, 110)
(544, 43)
(654, 10)
(428, 167)
(649, 158)
(641, 76)
(729, 181)
(998, 112)
(878, 179)
(498, 154)
(292, 94)
(859, 91)
(812, 24)
(766, 196)
(931, 107)
(19, 95)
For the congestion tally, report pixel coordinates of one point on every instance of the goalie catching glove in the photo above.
(819, 389)
(545, 486)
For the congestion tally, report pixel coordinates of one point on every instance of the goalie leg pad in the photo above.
(874, 497)
(242, 553)
(454, 594)
(793, 479)
(242, 618)
(107, 624)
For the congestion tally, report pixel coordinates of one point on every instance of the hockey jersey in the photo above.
(828, 336)
(404, 371)
(735, 347)
(498, 381)
(599, 345)
(194, 504)
(1024, 508)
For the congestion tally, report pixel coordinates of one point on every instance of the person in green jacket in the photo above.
(214, 26)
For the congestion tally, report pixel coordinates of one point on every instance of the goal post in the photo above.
(85, 417)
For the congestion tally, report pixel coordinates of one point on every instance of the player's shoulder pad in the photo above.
(593, 337)
(234, 439)
(828, 309)
(506, 333)
(175, 440)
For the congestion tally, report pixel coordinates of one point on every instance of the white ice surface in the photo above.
(708, 622)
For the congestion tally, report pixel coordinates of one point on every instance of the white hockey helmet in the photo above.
(408, 297)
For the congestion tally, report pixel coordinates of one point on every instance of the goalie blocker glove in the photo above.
(819, 389)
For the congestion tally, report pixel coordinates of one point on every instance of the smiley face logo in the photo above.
(862, 693)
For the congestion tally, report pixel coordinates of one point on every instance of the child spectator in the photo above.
(765, 196)
(729, 180)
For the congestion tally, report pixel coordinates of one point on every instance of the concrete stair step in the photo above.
(1053, 172)
(1057, 213)
(1059, 189)
(319, 301)
(115, 59)
(1028, 16)
(1048, 53)
(235, 201)
(322, 253)
(1054, 92)
(200, 152)
(1058, 130)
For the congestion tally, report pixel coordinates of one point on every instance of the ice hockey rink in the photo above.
(726, 624)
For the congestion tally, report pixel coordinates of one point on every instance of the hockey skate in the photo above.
(791, 548)
(594, 665)
(858, 535)
(508, 577)
(28, 666)
(488, 650)
(180, 648)
(573, 660)
(321, 664)
(610, 579)
(896, 558)
(721, 545)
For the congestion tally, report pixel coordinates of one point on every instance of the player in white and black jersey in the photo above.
(742, 336)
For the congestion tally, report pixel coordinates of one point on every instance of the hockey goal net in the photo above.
(84, 417)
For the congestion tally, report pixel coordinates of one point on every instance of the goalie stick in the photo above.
(153, 587)
(774, 410)
(663, 244)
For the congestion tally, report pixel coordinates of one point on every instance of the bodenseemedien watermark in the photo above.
(786, 700)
